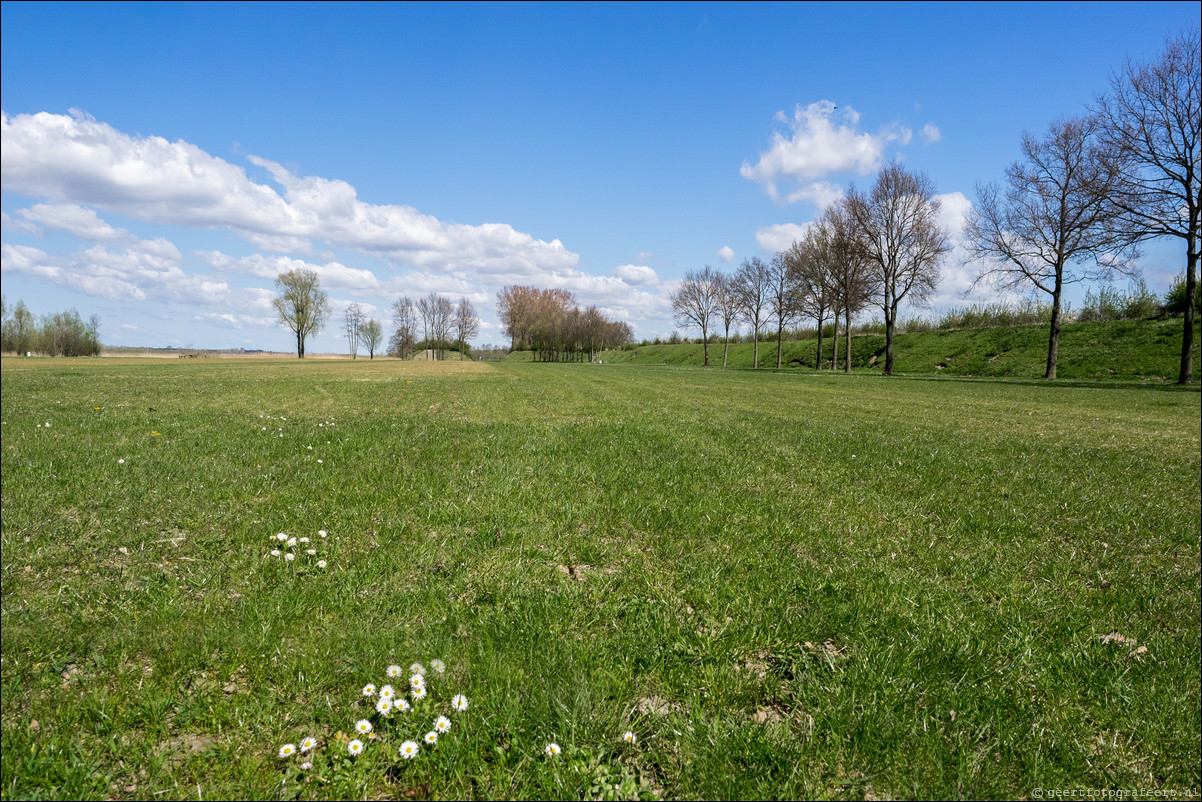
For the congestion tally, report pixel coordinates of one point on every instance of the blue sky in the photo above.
(162, 163)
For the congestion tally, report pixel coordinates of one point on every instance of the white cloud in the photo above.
(779, 236)
(726, 253)
(75, 219)
(636, 274)
(930, 134)
(78, 160)
(821, 139)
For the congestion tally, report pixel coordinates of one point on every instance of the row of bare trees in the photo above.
(1087, 193)
(883, 246)
(550, 323)
(440, 322)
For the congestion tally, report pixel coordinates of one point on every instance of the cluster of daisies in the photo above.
(388, 700)
(287, 547)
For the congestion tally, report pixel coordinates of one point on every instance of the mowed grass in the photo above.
(785, 585)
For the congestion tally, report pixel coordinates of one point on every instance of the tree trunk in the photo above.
(300, 345)
(835, 339)
(890, 322)
(780, 333)
(847, 333)
(818, 359)
(705, 347)
(1054, 337)
(1191, 292)
(755, 353)
(725, 346)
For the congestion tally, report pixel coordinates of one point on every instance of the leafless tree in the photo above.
(301, 305)
(728, 308)
(852, 278)
(897, 226)
(782, 297)
(1053, 223)
(352, 324)
(371, 334)
(404, 324)
(695, 302)
(811, 263)
(751, 282)
(467, 324)
(1153, 117)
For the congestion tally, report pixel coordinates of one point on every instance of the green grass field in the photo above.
(784, 585)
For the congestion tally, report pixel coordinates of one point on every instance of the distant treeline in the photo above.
(60, 334)
(552, 325)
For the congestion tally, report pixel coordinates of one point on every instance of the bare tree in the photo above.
(352, 324)
(695, 302)
(467, 324)
(897, 226)
(782, 297)
(1053, 223)
(404, 323)
(301, 304)
(371, 334)
(751, 283)
(852, 278)
(1153, 118)
(810, 261)
(728, 308)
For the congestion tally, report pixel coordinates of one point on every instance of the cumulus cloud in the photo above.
(779, 236)
(78, 160)
(930, 134)
(636, 274)
(726, 253)
(75, 219)
(820, 139)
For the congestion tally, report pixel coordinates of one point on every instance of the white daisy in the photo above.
(431, 738)
(417, 668)
(552, 749)
(119, 462)
(321, 532)
(628, 737)
(443, 725)
(306, 766)
(304, 540)
(419, 693)
(311, 552)
(384, 707)
(355, 747)
(287, 750)
(393, 671)
(321, 563)
(387, 692)
(438, 666)
(281, 537)
(369, 690)
(275, 552)
(417, 681)
(409, 750)
(459, 702)
(290, 556)
(308, 744)
(363, 727)
(401, 705)
(291, 541)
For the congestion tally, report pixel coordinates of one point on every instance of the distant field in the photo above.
(1143, 350)
(784, 585)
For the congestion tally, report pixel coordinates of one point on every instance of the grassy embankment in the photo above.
(784, 585)
(1144, 349)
